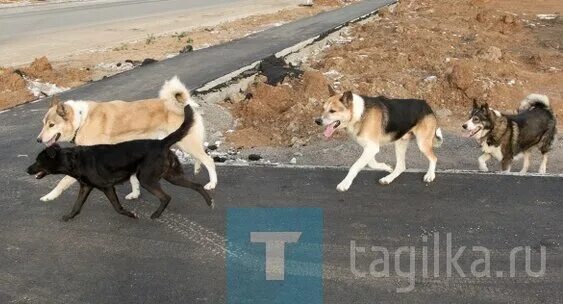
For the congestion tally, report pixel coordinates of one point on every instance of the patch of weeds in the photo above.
(180, 36)
(121, 47)
(150, 39)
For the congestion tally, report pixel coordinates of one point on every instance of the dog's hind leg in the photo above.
(526, 163)
(506, 164)
(82, 196)
(370, 150)
(195, 148)
(112, 197)
(401, 146)
(483, 161)
(135, 188)
(543, 165)
(425, 146)
(66, 182)
(181, 181)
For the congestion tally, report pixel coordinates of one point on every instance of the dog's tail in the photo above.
(438, 138)
(176, 95)
(182, 131)
(534, 101)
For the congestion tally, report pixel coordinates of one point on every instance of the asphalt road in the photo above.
(103, 257)
(30, 20)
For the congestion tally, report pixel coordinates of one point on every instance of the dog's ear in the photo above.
(485, 106)
(55, 101)
(347, 98)
(53, 150)
(475, 104)
(331, 91)
(62, 110)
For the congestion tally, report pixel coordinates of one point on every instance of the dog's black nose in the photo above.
(319, 121)
(39, 139)
(464, 126)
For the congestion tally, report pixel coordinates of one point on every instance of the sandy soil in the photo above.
(76, 69)
(448, 52)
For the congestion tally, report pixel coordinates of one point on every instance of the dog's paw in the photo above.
(210, 186)
(197, 168)
(343, 186)
(133, 195)
(429, 177)
(386, 180)
(484, 168)
(49, 197)
(67, 217)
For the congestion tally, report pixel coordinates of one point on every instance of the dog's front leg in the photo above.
(112, 197)
(135, 188)
(506, 164)
(82, 196)
(66, 182)
(370, 150)
(483, 161)
(526, 164)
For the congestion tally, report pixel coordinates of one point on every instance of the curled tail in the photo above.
(176, 95)
(438, 138)
(534, 101)
(182, 131)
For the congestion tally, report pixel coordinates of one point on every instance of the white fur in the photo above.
(80, 109)
(173, 87)
(358, 107)
(532, 98)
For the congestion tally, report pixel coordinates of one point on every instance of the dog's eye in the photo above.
(332, 111)
(51, 125)
(475, 119)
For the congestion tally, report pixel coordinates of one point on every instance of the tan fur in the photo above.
(118, 121)
(367, 127)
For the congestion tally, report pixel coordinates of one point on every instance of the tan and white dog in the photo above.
(88, 123)
(376, 121)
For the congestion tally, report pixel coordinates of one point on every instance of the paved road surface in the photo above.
(102, 257)
(56, 30)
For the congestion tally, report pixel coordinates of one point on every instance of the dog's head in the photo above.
(481, 120)
(57, 124)
(337, 112)
(47, 162)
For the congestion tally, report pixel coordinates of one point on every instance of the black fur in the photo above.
(104, 166)
(400, 115)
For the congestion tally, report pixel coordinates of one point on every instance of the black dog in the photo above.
(104, 166)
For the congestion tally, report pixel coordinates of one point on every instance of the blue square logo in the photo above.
(275, 255)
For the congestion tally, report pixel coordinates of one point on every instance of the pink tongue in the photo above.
(329, 130)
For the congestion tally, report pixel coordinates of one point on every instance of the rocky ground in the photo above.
(447, 52)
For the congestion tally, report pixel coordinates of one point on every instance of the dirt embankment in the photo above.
(16, 85)
(83, 67)
(448, 52)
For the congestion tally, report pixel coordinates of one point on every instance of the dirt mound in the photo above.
(280, 115)
(13, 88)
(448, 52)
(42, 70)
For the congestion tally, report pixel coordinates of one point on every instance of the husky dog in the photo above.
(508, 137)
(89, 123)
(375, 121)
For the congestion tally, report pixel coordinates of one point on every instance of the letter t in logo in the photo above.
(275, 251)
